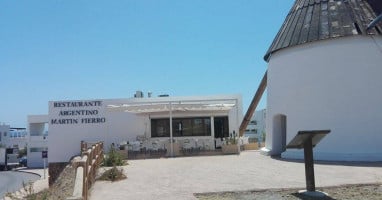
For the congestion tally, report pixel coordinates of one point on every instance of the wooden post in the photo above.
(309, 165)
(252, 107)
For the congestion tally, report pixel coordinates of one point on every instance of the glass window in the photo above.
(202, 127)
(196, 126)
(221, 127)
(160, 128)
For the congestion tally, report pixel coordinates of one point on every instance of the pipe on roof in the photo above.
(374, 22)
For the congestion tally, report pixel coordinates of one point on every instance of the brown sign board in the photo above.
(302, 136)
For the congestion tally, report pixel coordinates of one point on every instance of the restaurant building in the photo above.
(114, 121)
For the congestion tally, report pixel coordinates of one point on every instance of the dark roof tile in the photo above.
(312, 20)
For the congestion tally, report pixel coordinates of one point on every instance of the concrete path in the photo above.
(38, 185)
(179, 178)
(11, 181)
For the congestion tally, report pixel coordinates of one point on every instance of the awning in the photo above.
(175, 106)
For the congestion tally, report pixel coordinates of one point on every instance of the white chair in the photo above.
(219, 142)
(136, 145)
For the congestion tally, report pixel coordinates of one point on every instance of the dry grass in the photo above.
(61, 189)
(113, 174)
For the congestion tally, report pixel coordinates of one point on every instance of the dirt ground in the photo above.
(61, 189)
(349, 192)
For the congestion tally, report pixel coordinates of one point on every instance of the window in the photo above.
(5, 134)
(197, 126)
(160, 128)
(376, 5)
(38, 149)
(254, 122)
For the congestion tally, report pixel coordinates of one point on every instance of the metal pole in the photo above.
(309, 168)
(44, 167)
(212, 125)
(237, 124)
(171, 143)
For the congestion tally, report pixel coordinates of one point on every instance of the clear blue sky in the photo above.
(74, 49)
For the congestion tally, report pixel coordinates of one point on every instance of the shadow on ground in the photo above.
(342, 163)
(304, 197)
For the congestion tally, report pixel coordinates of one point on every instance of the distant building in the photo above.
(324, 72)
(256, 127)
(13, 137)
(38, 140)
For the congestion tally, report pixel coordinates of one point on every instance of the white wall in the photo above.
(4, 134)
(34, 159)
(332, 84)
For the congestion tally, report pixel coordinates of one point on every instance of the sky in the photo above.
(77, 49)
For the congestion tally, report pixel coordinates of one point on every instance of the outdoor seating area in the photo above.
(145, 148)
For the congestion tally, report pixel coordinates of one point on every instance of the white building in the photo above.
(202, 118)
(38, 140)
(13, 137)
(256, 127)
(324, 72)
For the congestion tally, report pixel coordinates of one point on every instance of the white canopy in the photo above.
(176, 104)
(158, 107)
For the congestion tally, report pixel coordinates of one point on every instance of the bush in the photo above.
(113, 174)
(113, 158)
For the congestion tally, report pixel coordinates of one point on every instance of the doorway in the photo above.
(221, 127)
(279, 133)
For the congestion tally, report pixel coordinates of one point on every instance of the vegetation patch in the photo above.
(113, 174)
(113, 158)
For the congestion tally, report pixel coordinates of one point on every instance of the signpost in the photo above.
(44, 155)
(308, 140)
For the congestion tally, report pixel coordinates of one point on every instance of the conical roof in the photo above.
(313, 20)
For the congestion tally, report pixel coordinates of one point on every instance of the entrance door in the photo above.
(221, 127)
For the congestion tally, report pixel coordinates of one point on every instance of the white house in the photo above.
(201, 118)
(38, 140)
(324, 72)
(13, 137)
(256, 126)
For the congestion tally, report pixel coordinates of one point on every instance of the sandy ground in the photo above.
(38, 185)
(180, 178)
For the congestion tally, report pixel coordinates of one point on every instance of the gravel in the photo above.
(350, 192)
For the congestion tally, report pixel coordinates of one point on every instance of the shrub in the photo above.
(113, 174)
(113, 158)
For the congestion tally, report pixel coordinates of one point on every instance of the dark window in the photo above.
(197, 126)
(376, 5)
(160, 128)
(254, 122)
